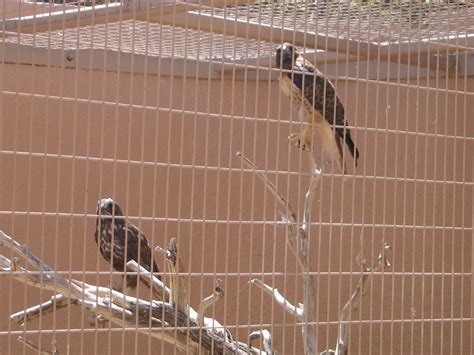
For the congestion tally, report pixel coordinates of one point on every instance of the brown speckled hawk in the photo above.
(318, 104)
(120, 241)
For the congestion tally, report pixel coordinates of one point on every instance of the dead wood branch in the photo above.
(56, 302)
(178, 294)
(159, 289)
(279, 298)
(266, 337)
(155, 318)
(37, 349)
(297, 240)
(207, 302)
(342, 347)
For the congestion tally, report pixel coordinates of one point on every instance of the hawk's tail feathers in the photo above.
(352, 148)
(340, 158)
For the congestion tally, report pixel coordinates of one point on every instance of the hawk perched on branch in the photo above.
(115, 237)
(318, 103)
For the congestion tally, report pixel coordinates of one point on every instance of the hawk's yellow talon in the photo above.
(301, 140)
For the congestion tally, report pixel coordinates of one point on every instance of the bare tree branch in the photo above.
(352, 305)
(279, 298)
(289, 216)
(37, 349)
(207, 302)
(159, 290)
(297, 240)
(266, 337)
(271, 187)
(56, 302)
(178, 294)
(155, 318)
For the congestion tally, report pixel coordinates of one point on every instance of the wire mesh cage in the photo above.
(299, 171)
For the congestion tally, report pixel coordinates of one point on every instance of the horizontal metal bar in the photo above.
(282, 274)
(271, 223)
(245, 326)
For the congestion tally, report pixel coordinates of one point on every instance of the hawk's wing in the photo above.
(138, 242)
(319, 92)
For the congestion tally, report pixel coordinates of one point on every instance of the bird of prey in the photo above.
(318, 104)
(120, 241)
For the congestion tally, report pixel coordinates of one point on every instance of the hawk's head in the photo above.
(108, 207)
(286, 55)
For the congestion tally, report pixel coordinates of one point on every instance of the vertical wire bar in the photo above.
(364, 173)
(385, 174)
(155, 155)
(445, 212)
(404, 183)
(463, 222)
(130, 76)
(332, 172)
(169, 145)
(208, 125)
(58, 185)
(210, 84)
(103, 135)
(286, 254)
(151, 237)
(320, 188)
(358, 79)
(415, 194)
(74, 104)
(194, 117)
(301, 154)
(347, 85)
(15, 162)
(435, 179)
(177, 45)
(240, 177)
(103, 127)
(395, 200)
(207, 109)
(275, 252)
(331, 185)
(425, 192)
(48, 83)
(86, 238)
(223, 82)
(129, 194)
(253, 210)
(3, 66)
(231, 154)
(189, 264)
(454, 207)
(374, 191)
(115, 168)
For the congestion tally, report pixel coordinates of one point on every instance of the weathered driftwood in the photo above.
(342, 346)
(297, 240)
(37, 349)
(193, 332)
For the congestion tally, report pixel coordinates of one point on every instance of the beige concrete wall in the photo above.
(170, 171)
